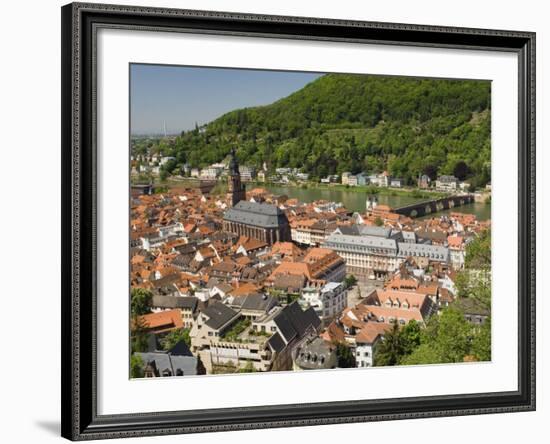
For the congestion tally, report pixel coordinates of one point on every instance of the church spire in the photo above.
(233, 165)
(235, 189)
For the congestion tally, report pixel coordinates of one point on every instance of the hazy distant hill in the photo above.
(354, 122)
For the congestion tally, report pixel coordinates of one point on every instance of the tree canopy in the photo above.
(140, 301)
(474, 282)
(449, 338)
(136, 366)
(344, 122)
(397, 344)
(175, 336)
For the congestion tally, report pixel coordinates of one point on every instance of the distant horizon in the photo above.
(185, 96)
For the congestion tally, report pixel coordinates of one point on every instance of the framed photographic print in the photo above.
(279, 221)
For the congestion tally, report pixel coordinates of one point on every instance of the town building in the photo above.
(359, 330)
(187, 305)
(360, 179)
(396, 182)
(162, 321)
(177, 361)
(318, 264)
(247, 173)
(210, 173)
(400, 306)
(345, 177)
(376, 252)
(316, 354)
(381, 180)
(457, 248)
(446, 183)
(161, 364)
(327, 300)
(424, 181)
(262, 221)
(266, 342)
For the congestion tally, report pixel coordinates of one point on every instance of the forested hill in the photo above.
(358, 123)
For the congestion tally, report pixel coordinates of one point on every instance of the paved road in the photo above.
(358, 292)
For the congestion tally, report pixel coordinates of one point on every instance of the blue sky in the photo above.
(182, 95)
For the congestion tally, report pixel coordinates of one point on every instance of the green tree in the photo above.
(474, 282)
(342, 122)
(248, 368)
(175, 336)
(389, 349)
(136, 366)
(345, 356)
(378, 222)
(454, 335)
(410, 336)
(423, 354)
(481, 344)
(478, 252)
(447, 338)
(138, 334)
(350, 280)
(461, 170)
(141, 300)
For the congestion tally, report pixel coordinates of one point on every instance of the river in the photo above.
(356, 200)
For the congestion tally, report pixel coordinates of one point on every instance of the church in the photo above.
(262, 221)
(236, 190)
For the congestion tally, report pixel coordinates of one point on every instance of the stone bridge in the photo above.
(427, 207)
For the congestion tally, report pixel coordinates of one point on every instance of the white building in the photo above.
(247, 173)
(364, 351)
(345, 177)
(446, 183)
(357, 180)
(396, 182)
(376, 252)
(210, 173)
(327, 301)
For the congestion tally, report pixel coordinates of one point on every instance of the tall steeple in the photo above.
(235, 189)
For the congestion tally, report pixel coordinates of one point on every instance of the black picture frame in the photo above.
(79, 390)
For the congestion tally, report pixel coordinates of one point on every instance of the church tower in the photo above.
(235, 189)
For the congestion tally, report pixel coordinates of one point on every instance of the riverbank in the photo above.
(353, 198)
(363, 189)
